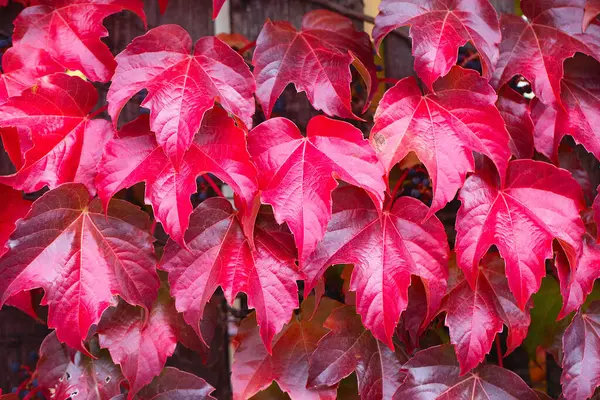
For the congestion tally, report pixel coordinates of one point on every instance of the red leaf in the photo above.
(14, 208)
(538, 204)
(412, 320)
(581, 350)
(162, 6)
(442, 128)
(22, 66)
(386, 250)
(23, 302)
(297, 174)
(536, 46)
(181, 86)
(254, 368)
(438, 29)
(348, 348)
(577, 282)
(54, 141)
(596, 210)
(70, 30)
(475, 315)
(578, 116)
(140, 343)
(339, 32)
(434, 374)
(514, 109)
(592, 9)
(81, 258)
(219, 147)
(62, 374)
(568, 159)
(174, 384)
(315, 59)
(217, 5)
(220, 255)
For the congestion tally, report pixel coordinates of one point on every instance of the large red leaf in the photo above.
(514, 109)
(578, 114)
(22, 66)
(70, 30)
(55, 141)
(315, 59)
(475, 315)
(182, 85)
(438, 29)
(254, 368)
(173, 384)
(581, 351)
(140, 343)
(297, 174)
(386, 249)
(443, 129)
(219, 254)
(539, 203)
(81, 257)
(536, 46)
(348, 348)
(63, 374)
(435, 374)
(219, 147)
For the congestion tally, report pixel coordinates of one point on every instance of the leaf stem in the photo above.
(397, 187)
(98, 111)
(213, 185)
(246, 48)
(499, 352)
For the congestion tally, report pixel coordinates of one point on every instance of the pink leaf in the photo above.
(182, 84)
(297, 174)
(438, 29)
(443, 129)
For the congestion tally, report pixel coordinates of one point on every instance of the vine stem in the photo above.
(499, 352)
(213, 185)
(397, 187)
(98, 111)
(472, 57)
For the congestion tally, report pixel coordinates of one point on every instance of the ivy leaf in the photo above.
(443, 129)
(140, 343)
(591, 10)
(49, 135)
(596, 211)
(514, 109)
(386, 249)
(347, 348)
(219, 254)
(297, 174)
(438, 29)
(315, 59)
(82, 259)
(578, 281)
(173, 384)
(538, 203)
(475, 315)
(62, 373)
(578, 113)
(536, 46)
(182, 85)
(22, 66)
(70, 30)
(254, 368)
(14, 208)
(434, 373)
(219, 147)
(339, 32)
(581, 347)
